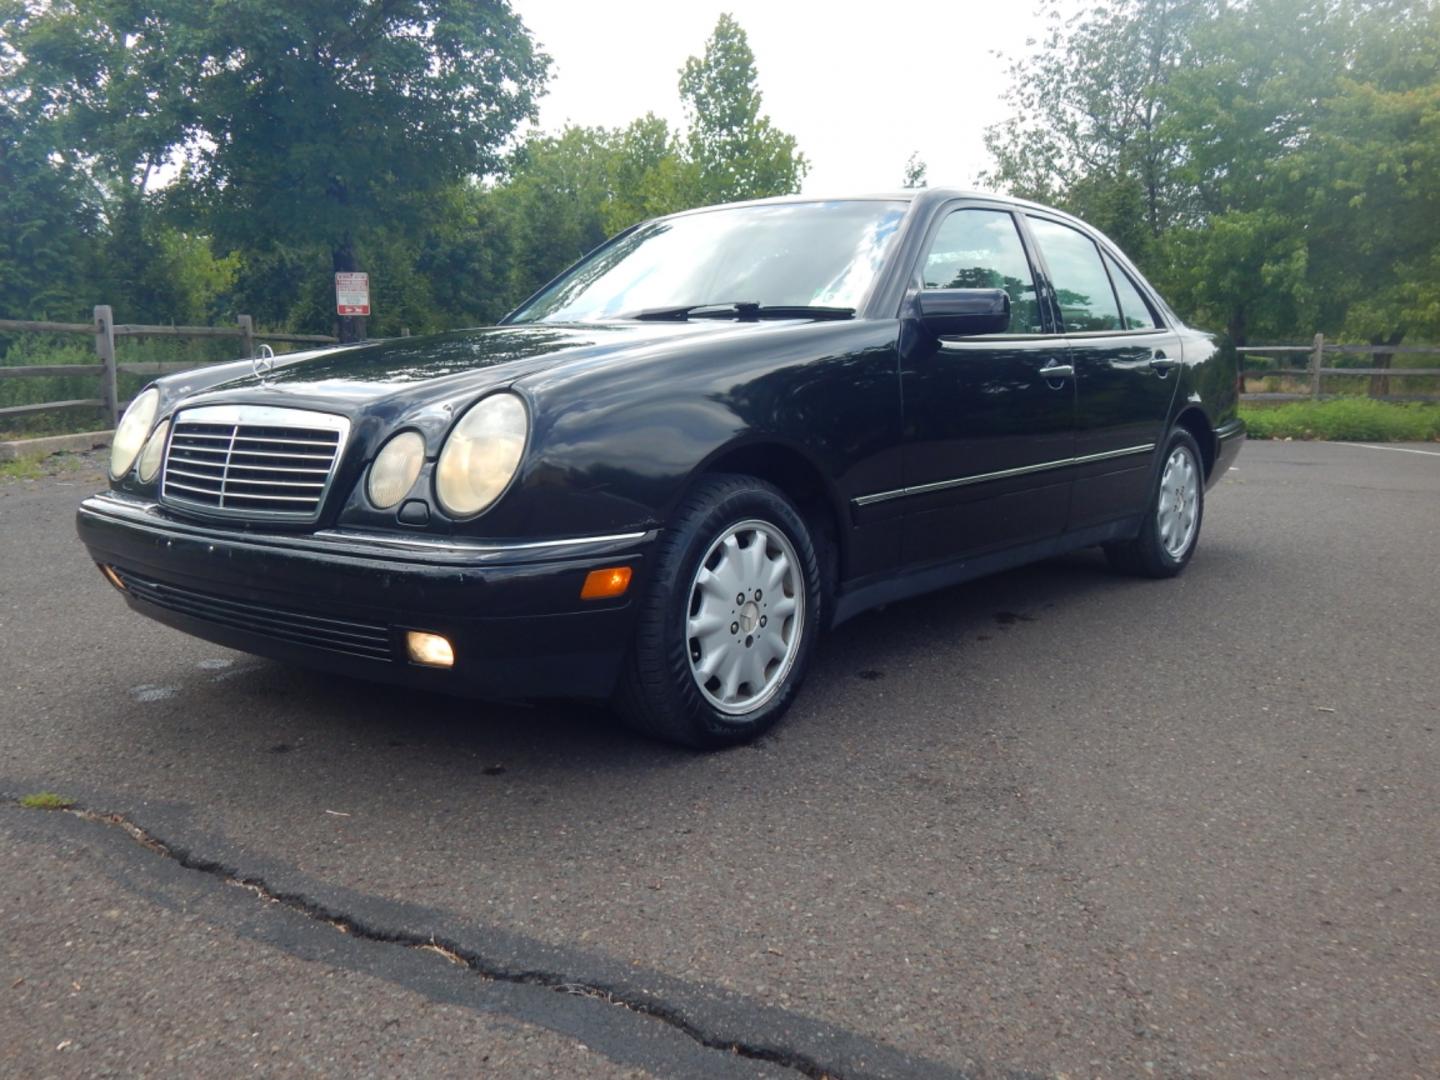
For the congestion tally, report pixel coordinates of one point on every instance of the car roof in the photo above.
(929, 194)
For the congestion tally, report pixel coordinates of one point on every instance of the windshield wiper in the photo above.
(743, 310)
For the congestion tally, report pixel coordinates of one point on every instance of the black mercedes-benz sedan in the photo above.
(662, 477)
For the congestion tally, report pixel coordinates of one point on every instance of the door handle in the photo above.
(1053, 370)
(1161, 363)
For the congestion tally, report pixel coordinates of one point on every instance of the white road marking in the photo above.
(214, 664)
(1400, 449)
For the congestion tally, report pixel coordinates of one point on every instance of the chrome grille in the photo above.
(253, 461)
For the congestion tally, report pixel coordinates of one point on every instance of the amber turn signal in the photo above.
(607, 583)
(112, 577)
(431, 650)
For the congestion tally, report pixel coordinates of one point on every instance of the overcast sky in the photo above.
(860, 86)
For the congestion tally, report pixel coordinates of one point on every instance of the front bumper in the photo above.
(342, 601)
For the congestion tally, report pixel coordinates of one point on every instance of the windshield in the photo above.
(786, 254)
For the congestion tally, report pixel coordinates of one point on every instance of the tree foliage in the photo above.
(185, 161)
(47, 229)
(915, 170)
(1270, 163)
(734, 151)
(288, 120)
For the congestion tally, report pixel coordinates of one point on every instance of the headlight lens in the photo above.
(153, 453)
(130, 434)
(395, 468)
(481, 454)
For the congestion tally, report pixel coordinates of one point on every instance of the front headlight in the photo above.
(395, 468)
(131, 432)
(154, 452)
(481, 454)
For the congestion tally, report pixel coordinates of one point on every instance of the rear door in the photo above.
(989, 420)
(1124, 359)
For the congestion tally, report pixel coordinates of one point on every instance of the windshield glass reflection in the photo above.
(802, 254)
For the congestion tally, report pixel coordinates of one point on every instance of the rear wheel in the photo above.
(1171, 527)
(730, 619)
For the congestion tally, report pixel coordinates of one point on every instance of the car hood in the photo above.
(398, 373)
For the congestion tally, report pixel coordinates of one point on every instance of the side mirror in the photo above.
(964, 311)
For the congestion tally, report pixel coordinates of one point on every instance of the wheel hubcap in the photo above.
(1178, 510)
(745, 618)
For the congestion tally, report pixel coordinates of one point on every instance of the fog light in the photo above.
(112, 577)
(432, 650)
(603, 584)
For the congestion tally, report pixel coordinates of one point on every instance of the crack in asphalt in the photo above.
(448, 951)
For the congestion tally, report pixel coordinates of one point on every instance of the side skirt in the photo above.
(859, 597)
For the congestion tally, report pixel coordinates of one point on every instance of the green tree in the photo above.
(48, 231)
(1088, 116)
(316, 123)
(647, 174)
(466, 256)
(153, 272)
(552, 203)
(1309, 133)
(48, 209)
(1269, 163)
(914, 171)
(564, 194)
(733, 150)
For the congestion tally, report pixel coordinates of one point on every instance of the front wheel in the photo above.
(1171, 526)
(730, 619)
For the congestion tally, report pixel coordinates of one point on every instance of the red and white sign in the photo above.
(352, 294)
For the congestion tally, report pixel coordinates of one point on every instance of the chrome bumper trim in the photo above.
(149, 516)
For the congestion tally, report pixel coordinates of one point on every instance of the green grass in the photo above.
(22, 469)
(1353, 419)
(46, 800)
(36, 468)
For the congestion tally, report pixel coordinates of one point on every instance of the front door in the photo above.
(1123, 356)
(989, 432)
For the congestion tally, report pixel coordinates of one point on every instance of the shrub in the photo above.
(1351, 418)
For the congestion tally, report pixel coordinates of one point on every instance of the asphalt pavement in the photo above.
(1056, 823)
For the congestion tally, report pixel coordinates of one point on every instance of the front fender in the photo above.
(615, 443)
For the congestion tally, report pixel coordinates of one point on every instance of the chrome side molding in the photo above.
(1002, 474)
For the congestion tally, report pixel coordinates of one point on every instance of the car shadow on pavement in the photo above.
(559, 735)
(873, 681)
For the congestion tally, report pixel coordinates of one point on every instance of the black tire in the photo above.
(1148, 555)
(659, 694)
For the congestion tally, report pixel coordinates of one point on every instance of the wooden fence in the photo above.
(106, 369)
(1315, 369)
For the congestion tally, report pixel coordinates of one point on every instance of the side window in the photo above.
(1087, 302)
(1134, 310)
(981, 249)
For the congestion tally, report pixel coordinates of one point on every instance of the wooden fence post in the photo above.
(247, 331)
(105, 350)
(1317, 361)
